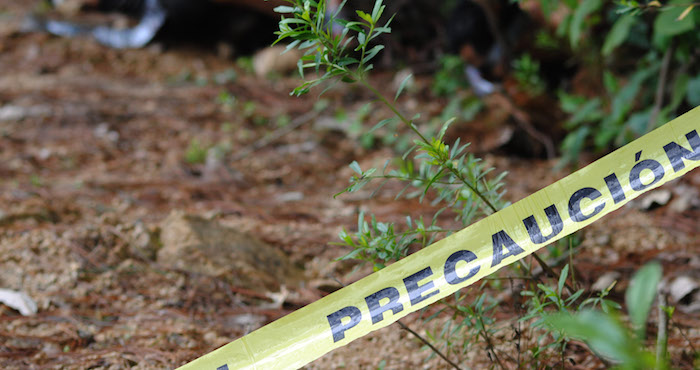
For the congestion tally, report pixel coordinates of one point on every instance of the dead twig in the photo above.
(554, 263)
(415, 334)
(270, 138)
(250, 293)
(425, 341)
(87, 256)
(684, 335)
(523, 121)
(545, 267)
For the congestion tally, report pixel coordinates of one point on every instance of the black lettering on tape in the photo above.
(415, 291)
(575, 204)
(534, 229)
(500, 240)
(376, 310)
(676, 153)
(648, 164)
(336, 321)
(451, 266)
(615, 188)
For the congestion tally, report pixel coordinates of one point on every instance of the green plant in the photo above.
(526, 71)
(446, 174)
(431, 168)
(470, 321)
(607, 335)
(646, 60)
(226, 100)
(36, 180)
(226, 76)
(458, 178)
(541, 302)
(449, 79)
(195, 153)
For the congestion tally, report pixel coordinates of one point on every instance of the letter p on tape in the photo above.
(468, 255)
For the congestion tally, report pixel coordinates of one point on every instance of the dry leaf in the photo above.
(685, 13)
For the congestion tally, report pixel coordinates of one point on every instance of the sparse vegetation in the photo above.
(438, 172)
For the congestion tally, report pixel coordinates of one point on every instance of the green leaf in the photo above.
(618, 34)
(372, 52)
(356, 167)
(377, 10)
(403, 85)
(573, 145)
(361, 36)
(640, 295)
(364, 16)
(582, 11)
(637, 123)
(693, 94)
(291, 46)
(603, 333)
(667, 23)
(285, 9)
(680, 85)
(562, 278)
(350, 255)
(381, 124)
(589, 112)
(610, 82)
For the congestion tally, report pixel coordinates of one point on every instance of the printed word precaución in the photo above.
(419, 286)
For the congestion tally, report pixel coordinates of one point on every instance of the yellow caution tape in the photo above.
(468, 255)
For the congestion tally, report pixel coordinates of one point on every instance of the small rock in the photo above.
(16, 113)
(102, 131)
(684, 292)
(142, 243)
(686, 197)
(51, 350)
(292, 196)
(248, 320)
(201, 246)
(605, 281)
(275, 60)
(11, 113)
(602, 239)
(654, 199)
(328, 123)
(19, 301)
(682, 287)
(68, 7)
(44, 154)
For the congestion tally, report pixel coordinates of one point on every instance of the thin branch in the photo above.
(425, 341)
(551, 272)
(489, 343)
(413, 127)
(415, 334)
(522, 119)
(684, 335)
(661, 87)
(662, 336)
(275, 135)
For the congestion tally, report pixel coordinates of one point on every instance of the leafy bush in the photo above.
(646, 60)
(446, 174)
(607, 335)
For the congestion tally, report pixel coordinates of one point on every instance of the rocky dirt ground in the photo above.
(142, 250)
